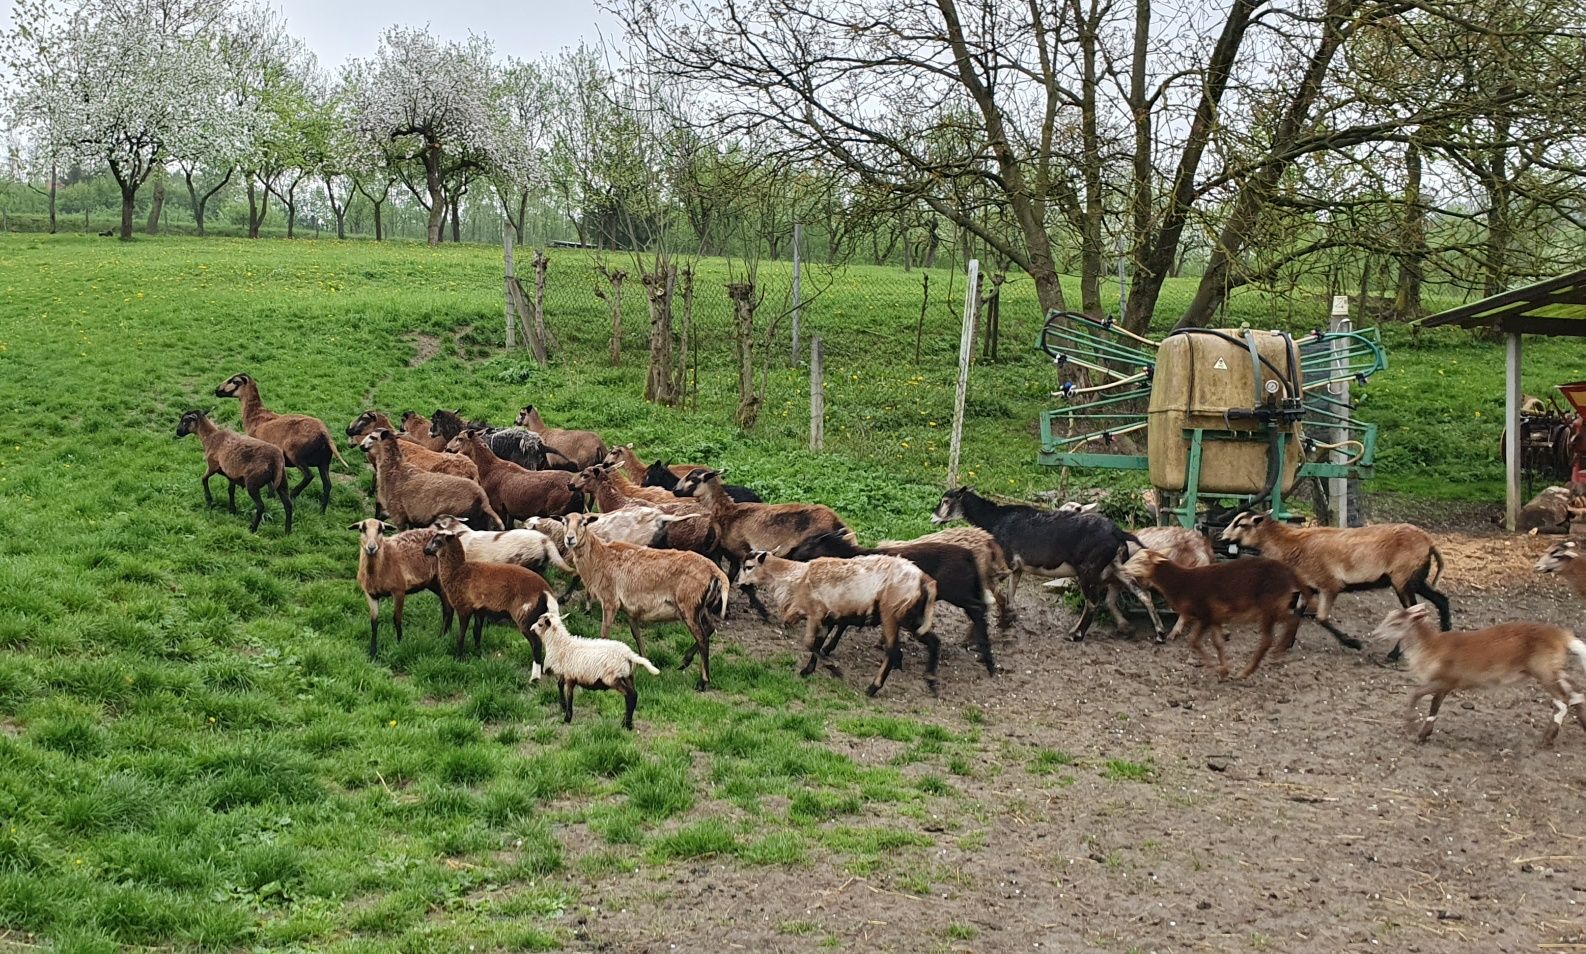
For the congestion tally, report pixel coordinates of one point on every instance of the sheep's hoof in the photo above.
(699, 686)
(1123, 632)
(1222, 675)
(1351, 642)
(1076, 637)
(872, 689)
(1159, 638)
(935, 687)
(834, 669)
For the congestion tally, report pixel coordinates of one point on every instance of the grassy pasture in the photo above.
(194, 750)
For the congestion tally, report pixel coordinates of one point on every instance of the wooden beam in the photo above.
(1558, 327)
(1468, 315)
(1511, 434)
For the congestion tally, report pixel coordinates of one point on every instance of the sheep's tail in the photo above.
(716, 593)
(1436, 556)
(555, 557)
(1124, 553)
(334, 450)
(639, 660)
(1578, 648)
(927, 599)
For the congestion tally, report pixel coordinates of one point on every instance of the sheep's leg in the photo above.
(231, 495)
(286, 503)
(1444, 620)
(567, 700)
(1324, 609)
(630, 699)
(397, 602)
(1291, 627)
(834, 634)
(701, 646)
(755, 604)
(1431, 716)
(308, 475)
(324, 486)
(1560, 691)
(374, 625)
(1122, 627)
(1576, 699)
(1144, 596)
(446, 614)
(258, 508)
(608, 618)
(703, 682)
(209, 498)
(982, 639)
(1219, 642)
(479, 632)
(638, 638)
(1088, 590)
(463, 616)
(812, 643)
(1268, 628)
(892, 657)
(933, 657)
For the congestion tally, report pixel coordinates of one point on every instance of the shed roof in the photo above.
(1556, 306)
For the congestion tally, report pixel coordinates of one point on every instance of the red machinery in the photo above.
(1575, 433)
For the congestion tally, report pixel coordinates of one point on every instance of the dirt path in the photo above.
(1288, 813)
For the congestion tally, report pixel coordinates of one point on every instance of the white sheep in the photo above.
(529, 549)
(590, 663)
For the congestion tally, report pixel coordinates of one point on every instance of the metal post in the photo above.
(1511, 438)
(798, 240)
(966, 343)
(1338, 487)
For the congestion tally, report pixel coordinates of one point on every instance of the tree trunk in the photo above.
(659, 385)
(456, 219)
(436, 189)
(1412, 261)
(614, 301)
(258, 207)
(1154, 259)
(192, 198)
(53, 190)
(157, 206)
(379, 231)
(743, 304)
(1090, 261)
(129, 183)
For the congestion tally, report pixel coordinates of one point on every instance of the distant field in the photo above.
(193, 748)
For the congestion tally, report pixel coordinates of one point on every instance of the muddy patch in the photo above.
(1121, 798)
(425, 348)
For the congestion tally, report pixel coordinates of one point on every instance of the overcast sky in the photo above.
(339, 29)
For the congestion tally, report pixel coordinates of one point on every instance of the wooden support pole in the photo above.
(507, 241)
(798, 239)
(966, 344)
(817, 395)
(1511, 434)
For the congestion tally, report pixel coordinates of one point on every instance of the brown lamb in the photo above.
(1255, 590)
(242, 460)
(395, 566)
(416, 428)
(478, 590)
(1444, 661)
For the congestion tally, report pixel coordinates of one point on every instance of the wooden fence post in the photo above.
(817, 395)
(966, 344)
(506, 252)
(540, 339)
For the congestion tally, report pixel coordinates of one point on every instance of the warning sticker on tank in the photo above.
(1221, 365)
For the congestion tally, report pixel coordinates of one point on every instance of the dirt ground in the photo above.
(1290, 812)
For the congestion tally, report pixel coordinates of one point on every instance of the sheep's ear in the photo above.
(1257, 519)
(357, 526)
(387, 526)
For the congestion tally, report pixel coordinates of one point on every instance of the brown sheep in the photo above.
(395, 566)
(243, 460)
(303, 439)
(601, 484)
(477, 590)
(623, 456)
(993, 566)
(516, 493)
(1335, 559)
(1442, 662)
(416, 498)
(420, 455)
(416, 428)
(1564, 559)
(575, 449)
(1240, 591)
(742, 527)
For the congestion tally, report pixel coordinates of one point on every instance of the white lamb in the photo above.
(529, 549)
(590, 663)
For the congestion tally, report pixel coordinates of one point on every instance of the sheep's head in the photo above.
(1404, 623)
(578, 528)
(441, 538)
(444, 423)
(189, 423)
(1075, 507)
(546, 624)
(525, 415)
(363, 424)
(1248, 529)
(1558, 557)
(694, 482)
(752, 570)
(450, 524)
(374, 438)
(587, 479)
(951, 506)
(370, 534)
(233, 386)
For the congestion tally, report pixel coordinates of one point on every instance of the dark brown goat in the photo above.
(1239, 591)
(516, 493)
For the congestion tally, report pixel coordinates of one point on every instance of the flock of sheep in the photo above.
(666, 543)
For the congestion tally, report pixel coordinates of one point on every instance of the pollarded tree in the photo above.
(124, 84)
(431, 98)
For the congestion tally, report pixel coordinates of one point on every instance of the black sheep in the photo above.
(1087, 546)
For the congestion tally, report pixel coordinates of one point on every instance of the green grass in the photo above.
(196, 753)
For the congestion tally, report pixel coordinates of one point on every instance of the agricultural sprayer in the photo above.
(1236, 416)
